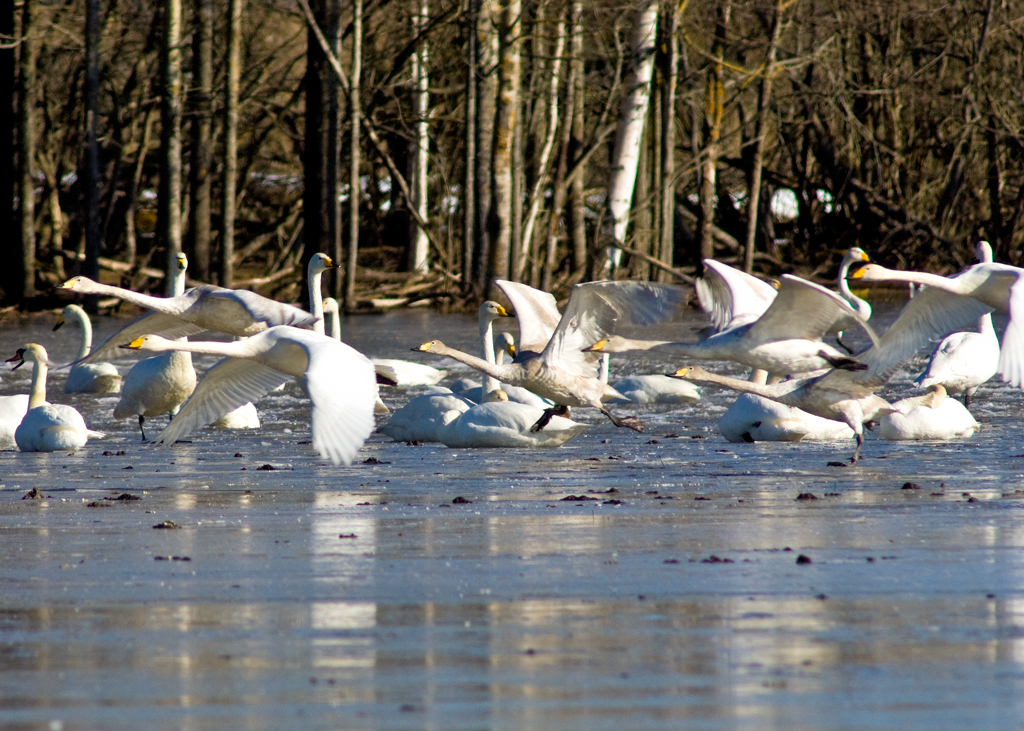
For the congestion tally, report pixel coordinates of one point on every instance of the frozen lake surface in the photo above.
(368, 597)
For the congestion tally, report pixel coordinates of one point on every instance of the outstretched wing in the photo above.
(342, 385)
(261, 309)
(805, 310)
(151, 323)
(730, 297)
(230, 383)
(536, 311)
(596, 309)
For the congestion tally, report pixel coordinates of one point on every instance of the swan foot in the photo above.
(745, 436)
(545, 418)
(843, 364)
(142, 420)
(844, 346)
(840, 464)
(630, 422)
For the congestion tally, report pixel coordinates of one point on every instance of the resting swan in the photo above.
(12, 411)
(965, 360)
(87, 377)
(499, 422)
(161, 384)
(931, 416)
(550, 361)
(785, 340)
(339, 380)
(47, 427)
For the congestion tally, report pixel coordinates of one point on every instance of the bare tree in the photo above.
(354, 184)
(231, 81)
(421, 141)
(669, 80)
(201, 156)
(91, 174)
(715, 109)
(169, 199)
(27, 150)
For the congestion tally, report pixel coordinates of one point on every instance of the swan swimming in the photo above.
(87, 377)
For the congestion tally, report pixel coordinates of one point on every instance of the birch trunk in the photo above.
(756, 165)
(200, 178)
(9, 278)
(504, 133)
(232, 77)
(27, 154)
(668, 142)
(421, 109)
(626, 153)
(354, 185)
(713, 132)
(169, 226)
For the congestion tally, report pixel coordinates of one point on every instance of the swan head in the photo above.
(870, 273)
(69, 312)
(854, 255)
(506, 342)
(692, 372)
(983, 252)
(320, 262)
(428, 346)
(491, 310)
(146, 342)
(181, 261)
(495, 396)
(78, 284)
(29, 352)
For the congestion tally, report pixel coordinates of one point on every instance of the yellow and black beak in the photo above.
(597, 347)
(60, 321)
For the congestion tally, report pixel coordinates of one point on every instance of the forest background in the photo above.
(535, 140)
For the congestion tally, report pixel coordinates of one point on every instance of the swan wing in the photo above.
(246, 308)
(342, 386)
(805, 310)
(229, 384)
(929, 317)
(536, 311)
(731, 297)
(1011, 357)
(171, 327)
(596, 309)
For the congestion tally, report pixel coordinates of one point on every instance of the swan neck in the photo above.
(37, 396)
(85, 344)
(316, 302)
(487, 349)
(493, 370)
(985, 324)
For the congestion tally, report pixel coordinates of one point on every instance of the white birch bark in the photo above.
(421, 108)
(626, 154)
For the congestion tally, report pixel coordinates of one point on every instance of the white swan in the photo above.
(161, 384)
(853, 256)
(784, 340)
(966, 297)
(47, 427)
(502, 423)
(551, 362)
(206, 307)
(244, 417)
(753, 418)
(87, 377)
(339, 380)
(931, 416)
(965, 360)
(397, 372)
(421, 418)
(318, 264)
(12, 411)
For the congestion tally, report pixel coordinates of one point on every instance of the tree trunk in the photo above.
(670, 76)
(577, 204)
(27, 153)
(169, 201)
(10, 279)
(713, 131)
(421, 147)
(544, 155)
(504, 137)
(757, 163)
(335, 277)
(486, 97)
(355, 188)
(469, 188)
(91, 174)
(232, 77)
(318, 188)
(200, 178)
(626, 153)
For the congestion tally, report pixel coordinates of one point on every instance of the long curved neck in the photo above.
(37, 397)
(178, 282)
(331, 309)
(985, 325)
(880, 274)
(487, 349)
(136, 298)
(773, 391)
(499, 372)
(316, 301)
(844, 288)
(85, 345)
